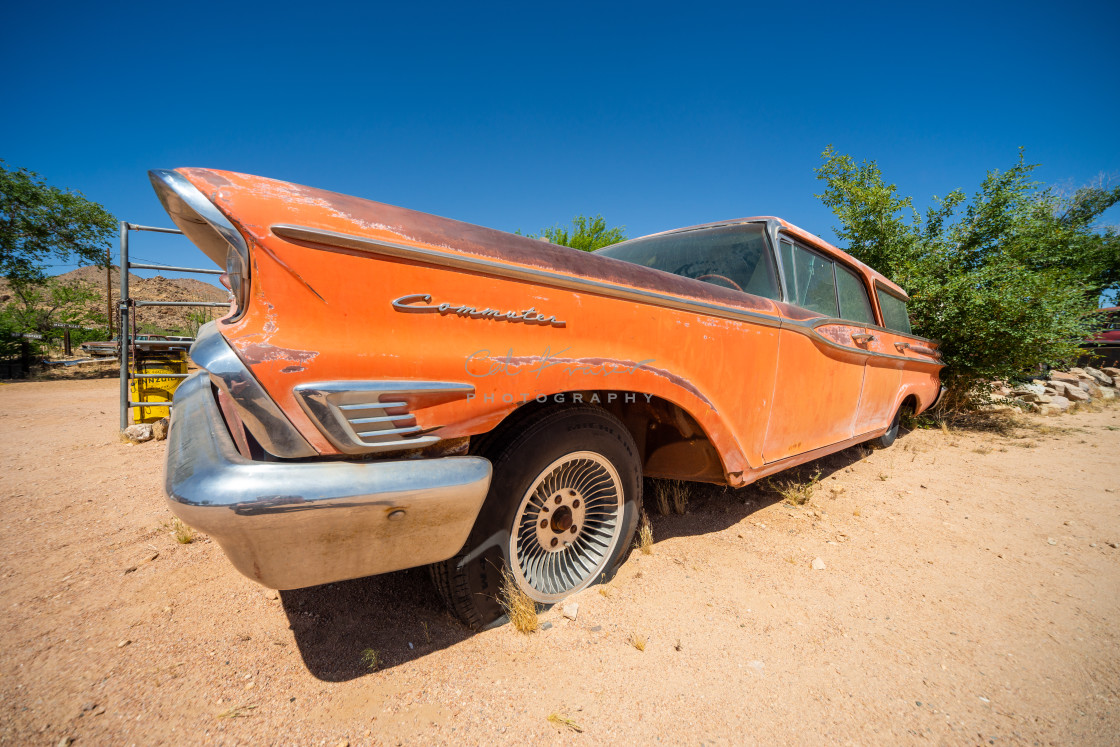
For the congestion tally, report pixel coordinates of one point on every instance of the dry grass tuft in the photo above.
(884, 476)
(645, 536)
(793, 492)
(564, 721)
(240, 711)
(183, 534)
(371, 657)
(671, 496)
(521, 610)
(638, 641)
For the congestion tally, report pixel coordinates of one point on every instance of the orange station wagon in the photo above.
(393, 389)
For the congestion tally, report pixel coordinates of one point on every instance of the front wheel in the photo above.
(560, 515)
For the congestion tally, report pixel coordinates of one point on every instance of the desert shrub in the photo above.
(1005, 280)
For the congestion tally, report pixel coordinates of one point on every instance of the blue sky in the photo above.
(521, 116)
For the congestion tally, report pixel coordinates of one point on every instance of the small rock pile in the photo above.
(1061, 390)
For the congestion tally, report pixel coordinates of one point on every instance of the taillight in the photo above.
(237, 273)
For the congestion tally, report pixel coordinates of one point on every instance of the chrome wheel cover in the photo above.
(567, 526)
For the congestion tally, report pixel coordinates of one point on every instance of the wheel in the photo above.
(560, 515)
(888, 438)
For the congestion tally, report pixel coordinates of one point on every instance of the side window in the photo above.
(811, 279)
(854, 303)
(894, 312)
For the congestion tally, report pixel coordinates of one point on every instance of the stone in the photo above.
(1102, 378)
(1063, 376)
(138, 433)
(1077, 370)
(818, 564)
(1051, 541)
(1077, 394)
(546, 626)
(570, 610)
(1091, 388)
(1058, 404)
(1113, 372)
(1023, 390)
(159, 428)
(1108, 393)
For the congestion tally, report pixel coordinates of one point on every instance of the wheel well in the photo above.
(671, 444)
(910, 404)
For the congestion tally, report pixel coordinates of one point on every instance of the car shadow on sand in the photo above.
(348, 629)
(714, 508)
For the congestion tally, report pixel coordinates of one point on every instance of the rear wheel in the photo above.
(560, 515)
(889, 437)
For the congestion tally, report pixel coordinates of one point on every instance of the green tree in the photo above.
(1004, 279)
(39, 222)
(585, 234)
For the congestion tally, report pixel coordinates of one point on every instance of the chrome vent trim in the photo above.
(260, 414)
(367, 417)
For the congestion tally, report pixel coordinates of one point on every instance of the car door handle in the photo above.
(863, 338)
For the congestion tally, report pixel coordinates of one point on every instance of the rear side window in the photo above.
(894, 312)
(811, 280)
(854, 303)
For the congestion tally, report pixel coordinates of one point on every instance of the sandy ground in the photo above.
(970, 596)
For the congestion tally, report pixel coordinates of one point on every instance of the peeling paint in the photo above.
(254, 353)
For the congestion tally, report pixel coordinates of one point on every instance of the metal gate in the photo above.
(127, 314)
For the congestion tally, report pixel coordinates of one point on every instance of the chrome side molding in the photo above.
(261, 415)
(365, 417)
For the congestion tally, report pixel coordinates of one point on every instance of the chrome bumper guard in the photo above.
(290, 525)
(940, 394)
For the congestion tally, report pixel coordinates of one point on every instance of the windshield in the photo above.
(735, 257)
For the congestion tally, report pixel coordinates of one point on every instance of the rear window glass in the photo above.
(736, 257)
(894, 312)
(810, 278)
(854, 303)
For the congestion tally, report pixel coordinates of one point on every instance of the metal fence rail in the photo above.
(127, 307)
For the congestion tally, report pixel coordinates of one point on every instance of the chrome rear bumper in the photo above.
(289, 525)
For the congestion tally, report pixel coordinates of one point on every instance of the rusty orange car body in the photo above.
(372, 338)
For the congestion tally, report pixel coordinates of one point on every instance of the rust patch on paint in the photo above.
(263, 352)
(837, 333)
(291, 369)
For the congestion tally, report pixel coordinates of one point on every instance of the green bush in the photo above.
(1004, 280)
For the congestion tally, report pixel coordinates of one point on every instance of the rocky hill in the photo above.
(169, 320)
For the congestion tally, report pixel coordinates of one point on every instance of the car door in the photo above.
(821, 360)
